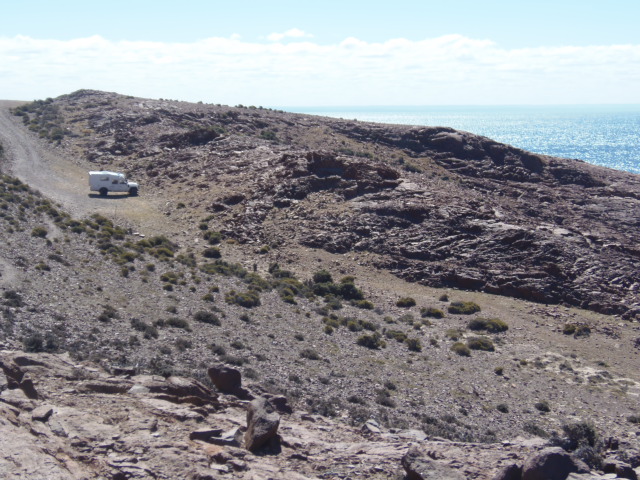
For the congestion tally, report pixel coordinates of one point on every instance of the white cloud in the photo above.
(291, 33)
(452, 69)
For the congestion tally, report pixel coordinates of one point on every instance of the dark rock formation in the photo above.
(552, 463)
(262, 424)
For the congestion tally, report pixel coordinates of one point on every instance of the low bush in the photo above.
(463, 308)
(406, 302)
(364, 304)
(322, 276)
(461, 349)
(373, 341)
(176, 322)
(310, 354)
(39, 232)
(211, 252)
(248, 299)
(213, 238)
(148, 331)
(384, 398)
(577, 329)
(398, 335)
(413, 344)
(481, 343)
(206, 317)
(453, 334)
(431, 312)
(543, 406)
(492, 325)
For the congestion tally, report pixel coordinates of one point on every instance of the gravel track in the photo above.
(58, 178)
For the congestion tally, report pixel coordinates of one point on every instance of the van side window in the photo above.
(115, 181)
(104, 179)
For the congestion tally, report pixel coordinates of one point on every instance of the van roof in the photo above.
(105, 172)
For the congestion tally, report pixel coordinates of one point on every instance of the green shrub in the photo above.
(453, 334)
(413, 344)
(577, 329)
(492, 325)
(206, 317)
(211, 252)
(373, 341)
(502, 408)
(406, 302)
(176, 322)
(149, 331)
(207, 297)
(543, 406)
(431, 312)
(480, 343)
(39, 232)
(364, 304)
(310, 354)
(183, 344)
(444, 297)
(44, 267)
(463, 308)
(461, 349)
(384, 398)
(248, 299)
(213, 238)
(633, 419)
(322, 276)
(398, 335)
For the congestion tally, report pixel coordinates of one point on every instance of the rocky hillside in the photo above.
(279, 244)
(432, 205)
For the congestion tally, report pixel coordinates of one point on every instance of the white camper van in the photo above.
(105, 182)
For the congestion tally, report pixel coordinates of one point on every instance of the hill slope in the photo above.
(249, 219)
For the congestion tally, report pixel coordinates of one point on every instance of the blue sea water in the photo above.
(607, 135)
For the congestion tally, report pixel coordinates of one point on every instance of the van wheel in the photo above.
(133, 192)
(104, 191)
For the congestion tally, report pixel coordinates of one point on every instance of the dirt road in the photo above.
(37, 164)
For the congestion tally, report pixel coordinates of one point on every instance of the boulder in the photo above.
(621, 469)
(510, 472)
(552, 463)
(228, 380)
(262, 423)
(419, 467)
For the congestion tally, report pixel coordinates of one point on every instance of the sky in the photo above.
(332, 53)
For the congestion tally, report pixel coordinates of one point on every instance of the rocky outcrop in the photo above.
(419, 467)
(141, 431)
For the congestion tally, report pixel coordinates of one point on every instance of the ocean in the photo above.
(607, 135)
